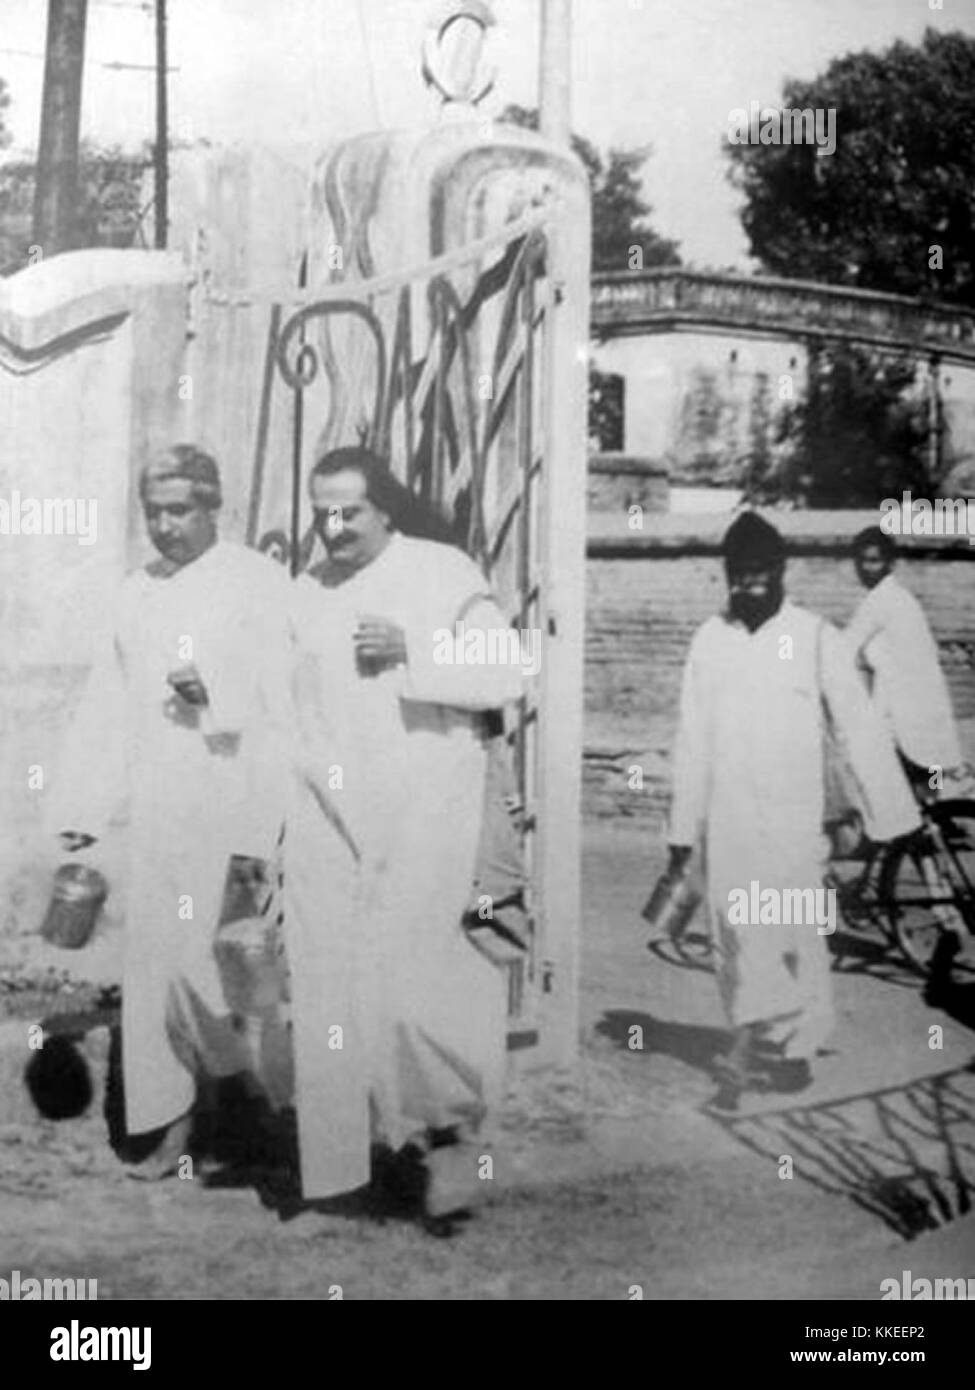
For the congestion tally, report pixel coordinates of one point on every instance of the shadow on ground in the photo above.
(906, 1154)
(956, 999)
(237, 1142)
(693, 1043)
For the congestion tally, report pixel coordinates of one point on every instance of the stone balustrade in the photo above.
(661, 300)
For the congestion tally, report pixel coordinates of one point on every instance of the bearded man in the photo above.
(748, 782)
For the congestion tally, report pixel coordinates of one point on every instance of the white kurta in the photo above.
(423, 1011)
(890, 632)
(191, 798)
(748, 774)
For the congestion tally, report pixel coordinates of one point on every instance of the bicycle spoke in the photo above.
(930, 886)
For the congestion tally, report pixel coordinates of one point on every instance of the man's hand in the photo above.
(678, 861)
(72, 840)
(188, 684)
(378, 644)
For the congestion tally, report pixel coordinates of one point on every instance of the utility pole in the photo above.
(554, 71)
(56, 183)
(161, 152)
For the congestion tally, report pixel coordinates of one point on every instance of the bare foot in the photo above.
(164, 1160)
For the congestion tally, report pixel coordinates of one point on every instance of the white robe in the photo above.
(191, 798)
(890, 632)
(423, 1011)
(748, 774)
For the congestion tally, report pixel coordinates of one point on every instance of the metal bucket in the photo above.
(671, 905)
(76, 900)
(251, 960)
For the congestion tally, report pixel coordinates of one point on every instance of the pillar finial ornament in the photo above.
(455, 45)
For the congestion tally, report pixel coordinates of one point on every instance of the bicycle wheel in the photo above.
(930, 881)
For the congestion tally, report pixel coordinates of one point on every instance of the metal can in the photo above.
(672, 904)
(250, 956)
(76, 900)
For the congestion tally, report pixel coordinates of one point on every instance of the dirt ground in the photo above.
(613, 1182)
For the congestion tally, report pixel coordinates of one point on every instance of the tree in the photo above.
(893, 208)
(16, 204)
(858, 435)
(622, 238)
(110, 184)
(4, 104)
(112, 187)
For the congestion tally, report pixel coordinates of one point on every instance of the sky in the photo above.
(658, 73)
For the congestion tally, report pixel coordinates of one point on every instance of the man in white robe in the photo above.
(183, 735)
(748, 781)
(423, 1011)
(892, 640)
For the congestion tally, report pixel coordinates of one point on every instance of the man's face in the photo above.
(179, 528)
(755, 592)
(871, 565)
(353, 530)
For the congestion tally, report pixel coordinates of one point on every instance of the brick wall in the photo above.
(647, 594)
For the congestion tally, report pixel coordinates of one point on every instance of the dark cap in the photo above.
(750, 540)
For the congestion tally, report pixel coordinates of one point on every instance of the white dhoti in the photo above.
(775, 975)
(194, 791)
(423, 1009)
(748, 779)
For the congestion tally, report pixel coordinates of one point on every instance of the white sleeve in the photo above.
(865, 624)
(889, 806)
(320, 753)
(247, 669)
(691, 752)
(482, 666)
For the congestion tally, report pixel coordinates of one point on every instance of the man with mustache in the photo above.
(423, 1012)
(748, 782)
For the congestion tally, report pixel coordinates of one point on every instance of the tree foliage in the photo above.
(900, 183)
(4, 104)
(620, 214)
(620, 230)
(858, 435)
(110, 184)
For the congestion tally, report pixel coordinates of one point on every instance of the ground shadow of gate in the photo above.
(906, 1154)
